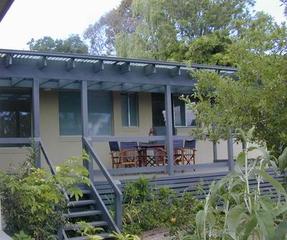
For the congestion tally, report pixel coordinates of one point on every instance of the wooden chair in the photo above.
(178, 152)
(115, 154)
(129, 154)
(189, 151)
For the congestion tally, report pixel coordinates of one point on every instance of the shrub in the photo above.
(33, 201)
(148, 207)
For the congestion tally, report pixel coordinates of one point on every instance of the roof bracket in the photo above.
(70, 64)
(123, 67)
(8, 60)
(175, 71)
(99, 66)
(149, 69)
(43, 63)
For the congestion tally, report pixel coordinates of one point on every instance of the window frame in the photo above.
(129, 122)
(185, 114)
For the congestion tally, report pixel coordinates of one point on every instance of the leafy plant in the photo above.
(148, 207)
(33, 199)
(235, 210)
(87, 230)
(22, 236)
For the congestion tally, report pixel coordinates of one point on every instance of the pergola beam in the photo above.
(175, 71)
(123, 67)
(149, 69)
(71, 64)
(99, 66)
(43, 63)
(8, 60)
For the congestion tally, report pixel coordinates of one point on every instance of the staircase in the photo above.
(90, 208)
(85, 209)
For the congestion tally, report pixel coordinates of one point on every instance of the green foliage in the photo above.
(235, 210)
(166, 29)
(22, 236)
(33, 201)
(147, 208)
(87, 230)
(256, 94)
(73, 44)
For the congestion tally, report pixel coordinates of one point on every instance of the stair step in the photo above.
(103, 235)
(82, 214)
(70, 227)
(81, 203)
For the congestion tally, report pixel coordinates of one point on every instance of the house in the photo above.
(57, 99)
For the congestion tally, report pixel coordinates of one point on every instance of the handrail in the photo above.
(52, 169)
(118, 193)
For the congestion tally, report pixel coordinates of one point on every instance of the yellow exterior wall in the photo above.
(62, 147)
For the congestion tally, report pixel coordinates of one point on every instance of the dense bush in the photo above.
(148, 207)
(33, 200)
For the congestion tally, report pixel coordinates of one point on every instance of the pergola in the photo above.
(42, 70)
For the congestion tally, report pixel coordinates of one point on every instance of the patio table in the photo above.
(146, 159)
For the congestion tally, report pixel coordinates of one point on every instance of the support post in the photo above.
(230, 152)
(85, 122)
(169, 130)
(214, 145)
(36, 121)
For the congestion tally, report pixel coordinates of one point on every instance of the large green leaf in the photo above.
(282, 160)
(240, 160)
(234, 218)
(276, 184)
(199, 219)
(281, 231)
(266, 223)
(250, 226)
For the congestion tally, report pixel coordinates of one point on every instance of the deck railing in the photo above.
(117, 223)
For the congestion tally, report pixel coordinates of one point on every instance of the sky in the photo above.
(28, 19)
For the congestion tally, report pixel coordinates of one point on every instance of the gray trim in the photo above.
(230, 153)
(16, 141)
(136, 138)
(169, 129)
(36, 120)
(116, 59)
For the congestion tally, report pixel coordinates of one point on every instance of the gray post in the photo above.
(169, 130)
(36, 121)
(230, 152)
(85, 122)
(214, 145)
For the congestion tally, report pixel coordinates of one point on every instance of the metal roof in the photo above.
(62, 70)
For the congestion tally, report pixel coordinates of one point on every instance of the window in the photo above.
(183, 116)
(15, 114)
(130, 114)
(70, 113)
(99, 115)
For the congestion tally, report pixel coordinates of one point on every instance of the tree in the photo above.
(101, 35)
(259, 97)
(72, 44)
(163, 29)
